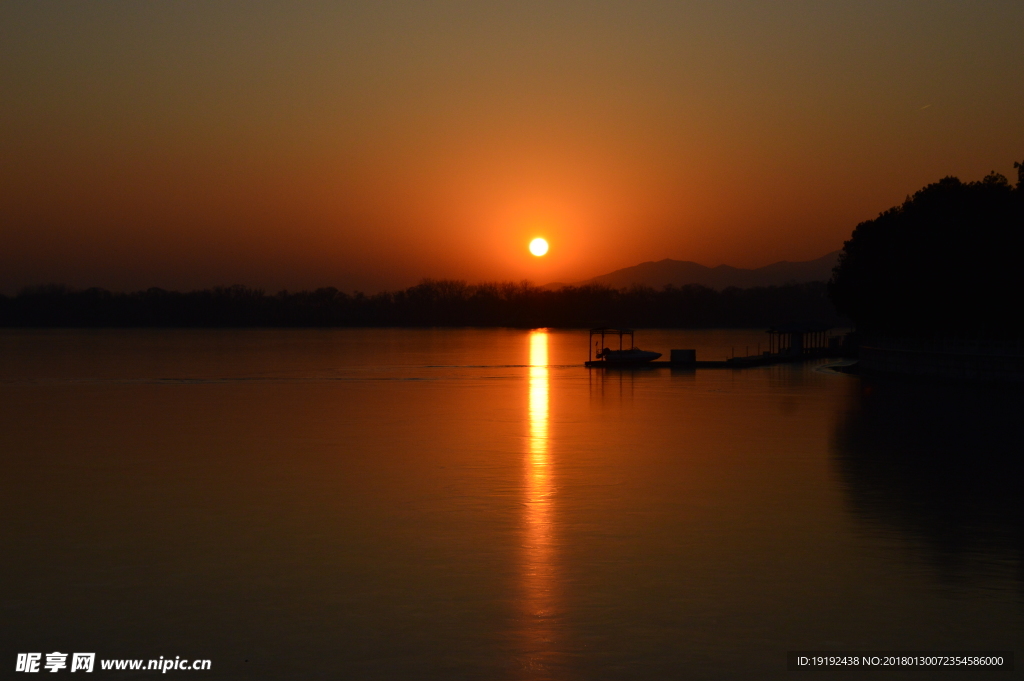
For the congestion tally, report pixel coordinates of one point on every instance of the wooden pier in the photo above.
(788, 344)
(731, 363)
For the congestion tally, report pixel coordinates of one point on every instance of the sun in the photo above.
(538, 247)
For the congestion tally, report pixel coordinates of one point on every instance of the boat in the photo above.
(631, 355)
(626, 354)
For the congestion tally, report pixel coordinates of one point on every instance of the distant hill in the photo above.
(682, 272)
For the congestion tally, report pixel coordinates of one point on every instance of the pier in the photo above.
(787, 344)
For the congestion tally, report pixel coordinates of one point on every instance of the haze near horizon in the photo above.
(368, 146)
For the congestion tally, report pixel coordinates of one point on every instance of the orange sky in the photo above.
(294, 145)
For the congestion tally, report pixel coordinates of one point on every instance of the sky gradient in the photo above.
(368, 145)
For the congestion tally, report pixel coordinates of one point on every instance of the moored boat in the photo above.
(633, 355)
(626, 354)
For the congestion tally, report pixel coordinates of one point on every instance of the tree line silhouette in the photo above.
(430, 303)
(945, 263)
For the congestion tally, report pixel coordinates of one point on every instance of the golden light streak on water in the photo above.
(538, 567)
(539, 398)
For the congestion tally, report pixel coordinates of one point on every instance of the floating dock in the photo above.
(732, 363)
(788, 344)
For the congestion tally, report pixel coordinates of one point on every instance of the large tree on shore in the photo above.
(948, 262)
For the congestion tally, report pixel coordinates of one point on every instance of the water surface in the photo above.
(391, 504)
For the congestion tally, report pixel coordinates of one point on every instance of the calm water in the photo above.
(410, 504)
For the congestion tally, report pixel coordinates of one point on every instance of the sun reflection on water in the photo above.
(538, 567)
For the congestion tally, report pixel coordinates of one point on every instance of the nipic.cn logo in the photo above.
(33, 663)
(55, 662)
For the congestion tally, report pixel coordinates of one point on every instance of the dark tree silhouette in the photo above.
(429, 303)
(946, 263)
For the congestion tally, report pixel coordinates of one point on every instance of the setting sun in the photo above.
(538, 247)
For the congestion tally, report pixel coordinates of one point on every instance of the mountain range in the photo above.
(683, 272)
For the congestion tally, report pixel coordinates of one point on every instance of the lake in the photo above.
(473, 503)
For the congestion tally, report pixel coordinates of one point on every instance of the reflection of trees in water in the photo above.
(942, 465)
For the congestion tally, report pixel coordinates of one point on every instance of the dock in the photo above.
(787, 344)
(731, 363)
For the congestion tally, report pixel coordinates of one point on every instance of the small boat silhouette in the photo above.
(630, 355)
(624, 355)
